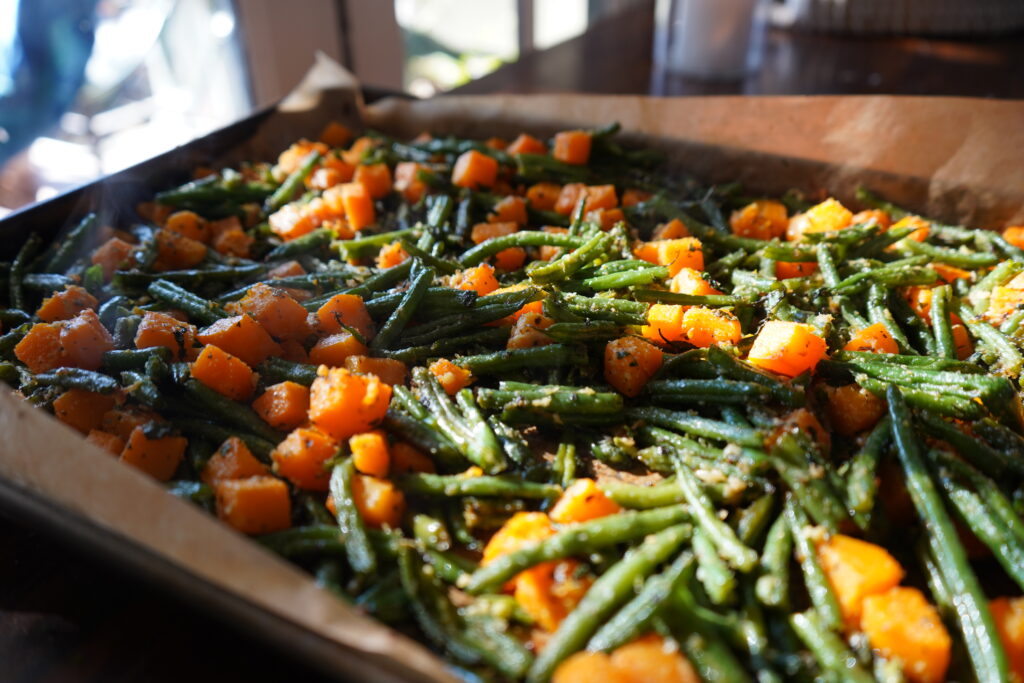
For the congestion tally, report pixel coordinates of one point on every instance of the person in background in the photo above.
(44, 47)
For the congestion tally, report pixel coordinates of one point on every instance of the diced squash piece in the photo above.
(355, 153)
(787, 348)
(651, 659)
(82, 410)
(543, 196)
(370, 453)
(827, 216)
(291, 222)
(857, 569)
(233, 460)
(160, 329)
(901, 623)
(452, 377)
(406, 459)
(706, 327)
(586, 666)
(520, 529)
(40, 349)
(873, 339)
(674, 229)
(685, 252)
(851, 408)
(601, 197)
(122, 420)
(241, 336)
(479, 279)
(605, 218)
(510, 259)
(226, 374)
(920, 225)
(1014, 234)
(528, 332)
(114, 254)
(177, 252)
(629, 362)
(301, 456)
(633, 196)
(950, 273)
(569, 197)
(342, 403)
(190, 224)
(474, 170)
(1008, 614)
(283, 406)
(332, 350)
(293, 351)
(534, 591)
(379, 501)
(275, 310)
(572, 147)
(233, 242)
(547, 252)
(334, 173)
(111, 443)
(510, 209)
(336, 134)
(84, 340)
(962, 342)
(664, 323)
(376, 178)
(785, 270)
(583, 500)
(345, 310)
(872, 217)
(763, 219)
(255, 505)
(157, 456)
(532, 307)
(67, 304)
(291, 159)
(388, 370)
(287, 269)
(358, 206)
(1002, 303)
(690, 281)
(526, 144)
(391, 255)
(408, 183)
(482, 232)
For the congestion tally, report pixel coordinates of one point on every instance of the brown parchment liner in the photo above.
(956, 159)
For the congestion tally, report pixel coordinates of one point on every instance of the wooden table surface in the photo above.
(67, 616)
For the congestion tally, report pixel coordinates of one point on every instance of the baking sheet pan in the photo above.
(956, 159)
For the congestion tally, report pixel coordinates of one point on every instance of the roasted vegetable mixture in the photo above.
(562, 413)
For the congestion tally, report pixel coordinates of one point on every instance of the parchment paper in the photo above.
(956, 159)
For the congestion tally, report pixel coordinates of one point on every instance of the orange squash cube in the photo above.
(763, 219)
(157, 457)
(379, 501)
(873, 339)
(851, 408)
(690, 281)
(84, 340)
(376, 178)
(255, 505)
(582, 501)
(283, 406)
(664, 324)
(301, 456)
(345, 310)
(406, 459)
(572, 147)
(685, 252)
(226, 374)
(510, 209)
(242, 337)
(526, 144)
(112, 255)
(334, 349)
(857, 569)
(785, 270)
(787, 348)
(111, 443)
(408, 183)
(40, 350)
(474, 170)
(160, 329)
(1008, 614)
(388, 370)
(452, 377)
(370, 453)
(233, 460)
(629, 362)
(901, 623)
(704, 327)
(275, 310)
(479, 279)
(82, 410)
(358, 206)
(67, 304)
(342, 403)
(543, 196)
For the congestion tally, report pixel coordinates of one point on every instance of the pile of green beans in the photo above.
(720, 499)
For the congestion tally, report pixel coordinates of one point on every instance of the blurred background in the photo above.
(88, 87)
